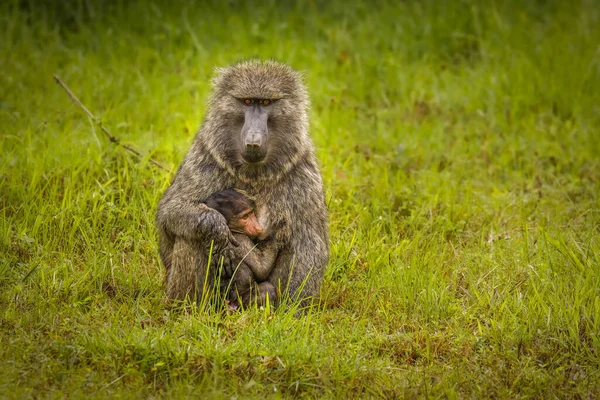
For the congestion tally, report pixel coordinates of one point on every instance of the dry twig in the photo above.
(112, 138)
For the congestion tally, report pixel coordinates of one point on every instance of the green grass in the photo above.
(460, 148)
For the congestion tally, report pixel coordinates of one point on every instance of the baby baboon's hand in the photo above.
(241, 252)
(228, 259)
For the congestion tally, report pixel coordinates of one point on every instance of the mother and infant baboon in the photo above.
(254, 139)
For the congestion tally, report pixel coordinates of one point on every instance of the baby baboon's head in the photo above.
(238, 210)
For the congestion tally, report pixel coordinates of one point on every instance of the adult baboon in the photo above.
(253, 261)
(254, 137)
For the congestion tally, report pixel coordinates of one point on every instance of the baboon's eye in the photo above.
(248, 101)
(265, 102)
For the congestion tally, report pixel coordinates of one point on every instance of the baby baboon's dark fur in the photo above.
(283, 177)
(254, 261)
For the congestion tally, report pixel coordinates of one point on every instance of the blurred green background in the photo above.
(459, 145)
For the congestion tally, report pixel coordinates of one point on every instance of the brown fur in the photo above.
(286, 186)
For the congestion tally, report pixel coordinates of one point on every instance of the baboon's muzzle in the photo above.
(254, 134)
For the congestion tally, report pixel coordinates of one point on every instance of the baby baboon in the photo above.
(253, 262)
(254, 137)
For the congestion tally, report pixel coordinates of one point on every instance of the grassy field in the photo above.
(460, 149)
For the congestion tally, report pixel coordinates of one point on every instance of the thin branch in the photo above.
(112, 138)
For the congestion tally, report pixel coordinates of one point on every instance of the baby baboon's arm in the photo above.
(259, 258)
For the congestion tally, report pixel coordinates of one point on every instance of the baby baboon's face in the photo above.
(238, 211)
(246, 223)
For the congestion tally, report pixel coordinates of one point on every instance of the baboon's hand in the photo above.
(227, 259)
(213, 230)
(241, 252)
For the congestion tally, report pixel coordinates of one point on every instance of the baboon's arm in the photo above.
(181, 212)
(259, 258)
(191, 221)
(300, 267)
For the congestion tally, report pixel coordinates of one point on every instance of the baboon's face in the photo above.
(254, 138)
(258, 118)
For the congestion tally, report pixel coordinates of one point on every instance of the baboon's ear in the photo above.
(218, 74)
(302, 74)
(219, 70)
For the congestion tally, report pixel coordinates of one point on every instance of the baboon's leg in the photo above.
(257, 293)
(300, 268)
(241, 283)
(266, 289)
(187, 276)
